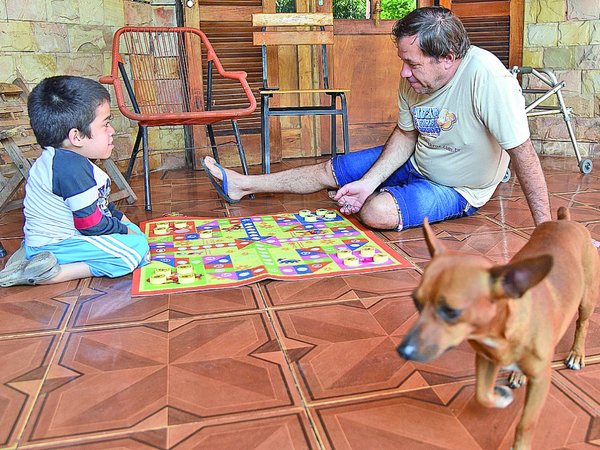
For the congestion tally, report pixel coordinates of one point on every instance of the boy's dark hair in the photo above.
(438, 31)
(59, 104)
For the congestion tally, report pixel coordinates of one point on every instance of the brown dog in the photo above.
(513, 314)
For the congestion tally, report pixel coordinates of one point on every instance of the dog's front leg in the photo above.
(537, 389)
(488, 394)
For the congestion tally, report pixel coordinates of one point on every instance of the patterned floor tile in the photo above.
(280, 293)
(515, 212)
(165, 373)
(449, 417)
(24, 362)
(289, 431)
(499, 247)
(109, 302)
(349, 349)
(27, 309)
(459, 228)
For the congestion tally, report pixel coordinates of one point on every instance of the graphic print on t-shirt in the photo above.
(432, 121)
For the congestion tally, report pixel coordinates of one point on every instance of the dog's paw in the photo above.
(575, 360)
(502, 396)
(516, 379)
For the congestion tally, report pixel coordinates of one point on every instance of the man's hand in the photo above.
(352, 196)
(396, 151)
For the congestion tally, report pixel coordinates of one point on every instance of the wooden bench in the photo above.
(18, 150)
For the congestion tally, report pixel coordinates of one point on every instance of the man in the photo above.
(461, 114)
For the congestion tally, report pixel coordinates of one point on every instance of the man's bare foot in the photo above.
(234, 179)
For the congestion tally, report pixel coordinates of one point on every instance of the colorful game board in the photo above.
(191, 253)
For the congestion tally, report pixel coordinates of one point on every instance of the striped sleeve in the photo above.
(73, 180)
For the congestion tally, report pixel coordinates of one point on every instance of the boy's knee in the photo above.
(143, 250)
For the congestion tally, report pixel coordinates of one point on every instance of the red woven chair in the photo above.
(160, 68)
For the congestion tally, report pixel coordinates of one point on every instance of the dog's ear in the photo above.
(513, 280)
(434, 245)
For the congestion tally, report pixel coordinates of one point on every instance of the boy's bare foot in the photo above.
(230, 181)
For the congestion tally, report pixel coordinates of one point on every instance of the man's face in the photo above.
(424, 73)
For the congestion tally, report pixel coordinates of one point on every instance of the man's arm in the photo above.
(398, 148)
(529, 172)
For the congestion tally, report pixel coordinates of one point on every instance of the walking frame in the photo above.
(535, 109)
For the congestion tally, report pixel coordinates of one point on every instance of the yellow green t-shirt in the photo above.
(466, 126)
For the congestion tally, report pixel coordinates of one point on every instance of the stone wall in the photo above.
(42, 38)
(564, 35)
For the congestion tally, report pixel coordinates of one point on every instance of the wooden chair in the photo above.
(20, 149)
(161, 69)
(298, 29)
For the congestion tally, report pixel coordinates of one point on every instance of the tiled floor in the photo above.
(277, 365)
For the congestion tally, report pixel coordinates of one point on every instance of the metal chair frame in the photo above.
(194, 106)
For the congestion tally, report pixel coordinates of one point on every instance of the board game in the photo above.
(191, 253)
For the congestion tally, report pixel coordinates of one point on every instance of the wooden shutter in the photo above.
(496, 26)
(228, 26)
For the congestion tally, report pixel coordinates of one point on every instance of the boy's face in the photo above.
(99, 145)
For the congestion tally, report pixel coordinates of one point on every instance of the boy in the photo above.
(71, 230)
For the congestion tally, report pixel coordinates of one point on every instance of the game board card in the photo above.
(191, 253)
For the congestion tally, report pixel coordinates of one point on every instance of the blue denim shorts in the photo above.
(416, 197)
(109, 255)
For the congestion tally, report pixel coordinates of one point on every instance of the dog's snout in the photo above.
(407, 348)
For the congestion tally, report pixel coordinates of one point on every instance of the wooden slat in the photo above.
(485, 9)
(216, 13)
(489, 32)
(232, 42)
(304, 91)
(292, 19)
(292, 37)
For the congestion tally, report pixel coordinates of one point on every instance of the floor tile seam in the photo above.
(504, 226)
(591, 406)
(90, 437)
(568, 197)
(191, 317)
(383, 394)
(592, 359)
(478, 233)
(294, 306)
(295, 380)
(32, 334)
(35, 396)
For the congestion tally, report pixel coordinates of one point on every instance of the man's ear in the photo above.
(75, 137)
(448, 60)
(434, 245)
(513, 280)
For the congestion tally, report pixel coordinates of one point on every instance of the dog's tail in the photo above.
(563, 213)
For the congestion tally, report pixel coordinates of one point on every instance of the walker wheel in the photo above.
(506, 175)
(585, 166)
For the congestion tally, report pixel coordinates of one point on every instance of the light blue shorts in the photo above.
(416, 197)
(110, 255)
